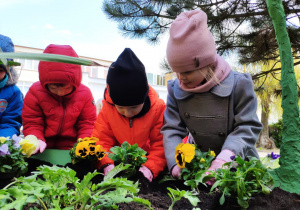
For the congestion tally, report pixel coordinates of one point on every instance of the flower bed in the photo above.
(157, 193)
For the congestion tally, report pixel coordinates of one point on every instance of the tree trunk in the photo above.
(287, 175)
(264, 139)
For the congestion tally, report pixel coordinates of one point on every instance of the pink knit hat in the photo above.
(191, 45)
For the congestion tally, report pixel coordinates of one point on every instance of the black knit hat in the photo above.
(127, 80)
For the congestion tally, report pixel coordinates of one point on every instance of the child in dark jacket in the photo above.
(11, 98)
(131, 112)
(58, 109)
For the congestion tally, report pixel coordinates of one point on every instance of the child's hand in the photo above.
(176, 171)
(217, 163)
(223, 157)
(108, 168)
(146, 172)
(42, 146)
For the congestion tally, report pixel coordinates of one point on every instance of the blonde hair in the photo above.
(209, 74)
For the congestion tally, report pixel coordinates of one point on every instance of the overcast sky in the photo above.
(81, 24)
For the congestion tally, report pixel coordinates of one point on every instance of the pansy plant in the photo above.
(128, 154)
(271, 160)
(242, 179)
(193, 162)
(14, 151)
(86, 149)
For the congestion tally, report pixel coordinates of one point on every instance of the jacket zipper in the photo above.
(63, 119)
(131, 131)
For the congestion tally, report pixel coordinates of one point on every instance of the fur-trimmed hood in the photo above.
(14, 77)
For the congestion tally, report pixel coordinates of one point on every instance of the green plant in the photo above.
(59, 188)
(128, 154)
(271, 161)
(86, 149)
(13, 153)
(242, 179)
(193, 162)
(275, 131)
(177, 194)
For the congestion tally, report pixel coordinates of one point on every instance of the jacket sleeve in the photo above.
(11, 121)
(156, 157)
(87, 117)
(247, 127)
(104, 133)
(32, 115)
(174, 129)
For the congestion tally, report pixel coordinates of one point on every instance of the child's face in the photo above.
(129, 111)
(60, 89)
(192, 78)
(2, 73)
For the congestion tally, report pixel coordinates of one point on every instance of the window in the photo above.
(24, 87)
(94, 72)
(28, 64)
(150, 78)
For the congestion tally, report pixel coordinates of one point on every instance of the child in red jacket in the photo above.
(58, 109)
(131, 112)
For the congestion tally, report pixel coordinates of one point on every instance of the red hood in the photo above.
(52, 72)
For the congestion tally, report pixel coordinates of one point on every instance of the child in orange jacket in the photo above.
(131, 112)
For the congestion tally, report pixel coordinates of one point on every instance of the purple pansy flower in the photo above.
(273, 156)
(4, 150)
(232, 157)
(16, 140)
(233, 169)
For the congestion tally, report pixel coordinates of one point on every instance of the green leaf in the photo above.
(115, 171)
(142, 201)
(192, 198)
(11, 63)
(222, 199)
(266, 190)
(3, 60)
(48, 57)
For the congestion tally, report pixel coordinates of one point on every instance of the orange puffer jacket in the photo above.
(113, 129)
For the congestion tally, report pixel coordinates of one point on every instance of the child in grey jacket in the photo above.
(216, 105)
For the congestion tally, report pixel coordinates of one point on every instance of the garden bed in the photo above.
(157, 193)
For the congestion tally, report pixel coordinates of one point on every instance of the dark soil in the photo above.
(157, 193)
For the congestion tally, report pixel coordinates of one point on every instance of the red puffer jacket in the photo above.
(113, 129)
(59, 120)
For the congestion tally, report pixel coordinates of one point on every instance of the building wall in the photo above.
(92, 76)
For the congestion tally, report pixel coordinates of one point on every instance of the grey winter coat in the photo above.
(222, 118)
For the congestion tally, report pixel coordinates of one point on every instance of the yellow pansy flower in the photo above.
(184, 153)
(202, 160)
(99, 152)
(82, 149)
(2, 139)
(29, 145)
(212, 153)
(92, 149)
(94, 139)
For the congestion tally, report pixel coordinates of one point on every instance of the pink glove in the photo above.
(146, 172)
(108, 168)
(222, 158)
(42, 146)
(176, 171)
